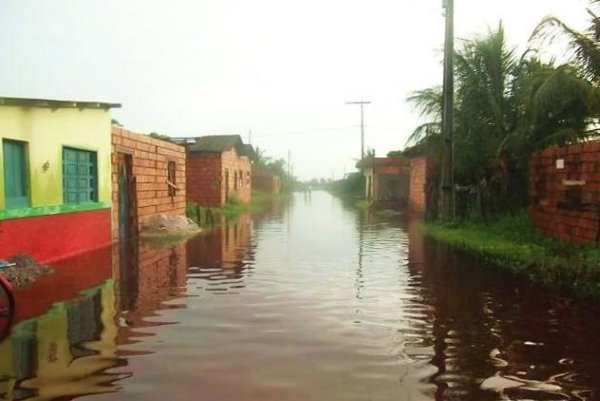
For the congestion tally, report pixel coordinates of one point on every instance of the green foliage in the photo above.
(161, 137)
(506, 106)
(353, 185)
(278, 167)
(510, 242)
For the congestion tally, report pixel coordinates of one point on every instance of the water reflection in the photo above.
(310, 301)
(77, 346)
(65, 352)
(498, 337)
(219, 261)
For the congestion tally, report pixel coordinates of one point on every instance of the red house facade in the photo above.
(218, 170)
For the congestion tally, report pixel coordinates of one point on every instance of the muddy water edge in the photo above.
(312, 300)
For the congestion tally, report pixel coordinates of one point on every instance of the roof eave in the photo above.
(56, 104)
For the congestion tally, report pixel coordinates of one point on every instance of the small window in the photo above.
(80, 176)
(235, 180)
(171, 179)
(16, 183)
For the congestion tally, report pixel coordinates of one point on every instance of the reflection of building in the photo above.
(218, 167)
(146, 275)
(55, 163)
(65, 352)
(69, 277)
(225, 247)
(148, 178)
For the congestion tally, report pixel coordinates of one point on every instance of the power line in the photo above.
(304, 132)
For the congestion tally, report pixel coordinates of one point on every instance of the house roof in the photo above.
(221, 143)
(383, 161)
(56, 104)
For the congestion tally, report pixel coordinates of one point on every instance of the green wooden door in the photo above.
(79, 176)
(16, 185)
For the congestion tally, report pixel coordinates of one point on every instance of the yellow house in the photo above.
(55, 185)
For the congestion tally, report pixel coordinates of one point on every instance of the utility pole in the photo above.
(447, 198)
(362, 127)
(288, 164)
(250, 137)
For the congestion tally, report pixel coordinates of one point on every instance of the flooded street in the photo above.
(310, 301)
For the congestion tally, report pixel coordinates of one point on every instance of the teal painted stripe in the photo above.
(50, 210)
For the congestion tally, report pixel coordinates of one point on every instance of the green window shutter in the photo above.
(16, 184)
(80, 172)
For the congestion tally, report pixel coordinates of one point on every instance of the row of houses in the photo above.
(73, 182)
(564, 188)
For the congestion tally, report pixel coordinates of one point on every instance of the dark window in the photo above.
(16, 185)
(171, 179)
(80, 176)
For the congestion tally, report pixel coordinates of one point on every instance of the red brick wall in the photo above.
(563, 201)
(204, 178)
(266, 181)
(418, 180)
(207, 173)
(150, 158)
(240, 164)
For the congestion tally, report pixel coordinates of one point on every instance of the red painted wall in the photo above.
(54, 237)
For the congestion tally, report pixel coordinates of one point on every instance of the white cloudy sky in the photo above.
(281, 68)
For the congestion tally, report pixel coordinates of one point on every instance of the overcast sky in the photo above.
(280, 68)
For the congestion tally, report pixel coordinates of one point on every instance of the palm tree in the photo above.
(502, 113)
(585, 45)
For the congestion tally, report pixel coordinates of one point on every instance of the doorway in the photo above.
(127, 197)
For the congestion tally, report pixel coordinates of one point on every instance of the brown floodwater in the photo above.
(312, 300)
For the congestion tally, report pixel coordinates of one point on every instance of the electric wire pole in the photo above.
(362, 127)
(447, 196)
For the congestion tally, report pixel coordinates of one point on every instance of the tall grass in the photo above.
(512, 243)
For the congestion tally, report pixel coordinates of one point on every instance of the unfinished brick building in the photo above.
(218, 169)
(564, 192)
(386, 179)
(148, 178)
(266, 181)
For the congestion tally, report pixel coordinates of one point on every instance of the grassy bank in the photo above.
(512, 243)
(212, 216)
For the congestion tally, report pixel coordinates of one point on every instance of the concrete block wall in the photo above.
(564, 192)
(150, 158)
